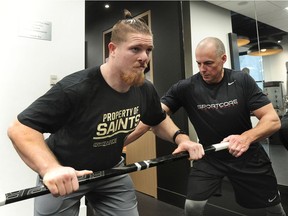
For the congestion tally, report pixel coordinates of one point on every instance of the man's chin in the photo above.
(137, 80)
(140, 83)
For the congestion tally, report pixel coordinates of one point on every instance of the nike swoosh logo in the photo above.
(230, 83)
(271, 200)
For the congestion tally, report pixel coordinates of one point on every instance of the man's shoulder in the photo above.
(232, 72)
(190, 81)
(235, 74)
(87, 72)
(80, 76)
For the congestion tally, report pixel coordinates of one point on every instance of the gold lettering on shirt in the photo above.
(121, 121)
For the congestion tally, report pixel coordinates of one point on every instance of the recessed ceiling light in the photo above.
(286, 8)
(107, 6)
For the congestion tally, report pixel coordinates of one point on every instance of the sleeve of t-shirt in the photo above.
(49, 112)
(172, 98)
(255, 95)
(153, 113)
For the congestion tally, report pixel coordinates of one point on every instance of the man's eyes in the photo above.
(137, 49)
(205, 63)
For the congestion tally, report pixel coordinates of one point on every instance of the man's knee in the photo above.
(194, 208)
(276, 210)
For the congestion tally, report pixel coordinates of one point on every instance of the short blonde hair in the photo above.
(128, 25)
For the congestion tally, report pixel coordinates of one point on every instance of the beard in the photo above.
(133, 78)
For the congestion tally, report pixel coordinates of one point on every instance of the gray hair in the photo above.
(220, 48)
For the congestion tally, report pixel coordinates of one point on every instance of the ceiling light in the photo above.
(242, 40)
(263, 48)
(266, 48)
(107, 6)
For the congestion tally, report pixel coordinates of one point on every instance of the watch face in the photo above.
(177, 133)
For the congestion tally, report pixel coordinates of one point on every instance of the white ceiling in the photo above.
(271, 12)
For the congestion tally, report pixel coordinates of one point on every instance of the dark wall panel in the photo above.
(168, 67)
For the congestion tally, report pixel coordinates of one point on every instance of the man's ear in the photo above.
(111, 48)
(224, 58)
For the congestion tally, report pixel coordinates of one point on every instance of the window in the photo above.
(254, 66)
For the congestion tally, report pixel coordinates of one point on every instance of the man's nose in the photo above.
(144, 56)
(201, 67)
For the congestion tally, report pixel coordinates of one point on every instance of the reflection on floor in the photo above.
(149, 206)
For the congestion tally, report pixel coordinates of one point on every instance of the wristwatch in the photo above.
(177, 133)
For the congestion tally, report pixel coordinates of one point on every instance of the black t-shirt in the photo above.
(219, 110)
(88, 120)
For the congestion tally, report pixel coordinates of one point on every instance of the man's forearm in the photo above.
(262, 130)
(140, 130)
(31, 147)
(167, 129)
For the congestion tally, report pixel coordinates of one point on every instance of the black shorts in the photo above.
(251, 176)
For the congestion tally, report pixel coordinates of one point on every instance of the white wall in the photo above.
(26, 66)
(209, 20)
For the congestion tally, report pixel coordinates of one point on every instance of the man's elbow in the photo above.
(10, 130)
(277, 125)
(13, 130)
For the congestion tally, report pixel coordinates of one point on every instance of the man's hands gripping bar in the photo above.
(42, 190)
(217, 147)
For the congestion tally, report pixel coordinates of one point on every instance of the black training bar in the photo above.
(41, 190)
